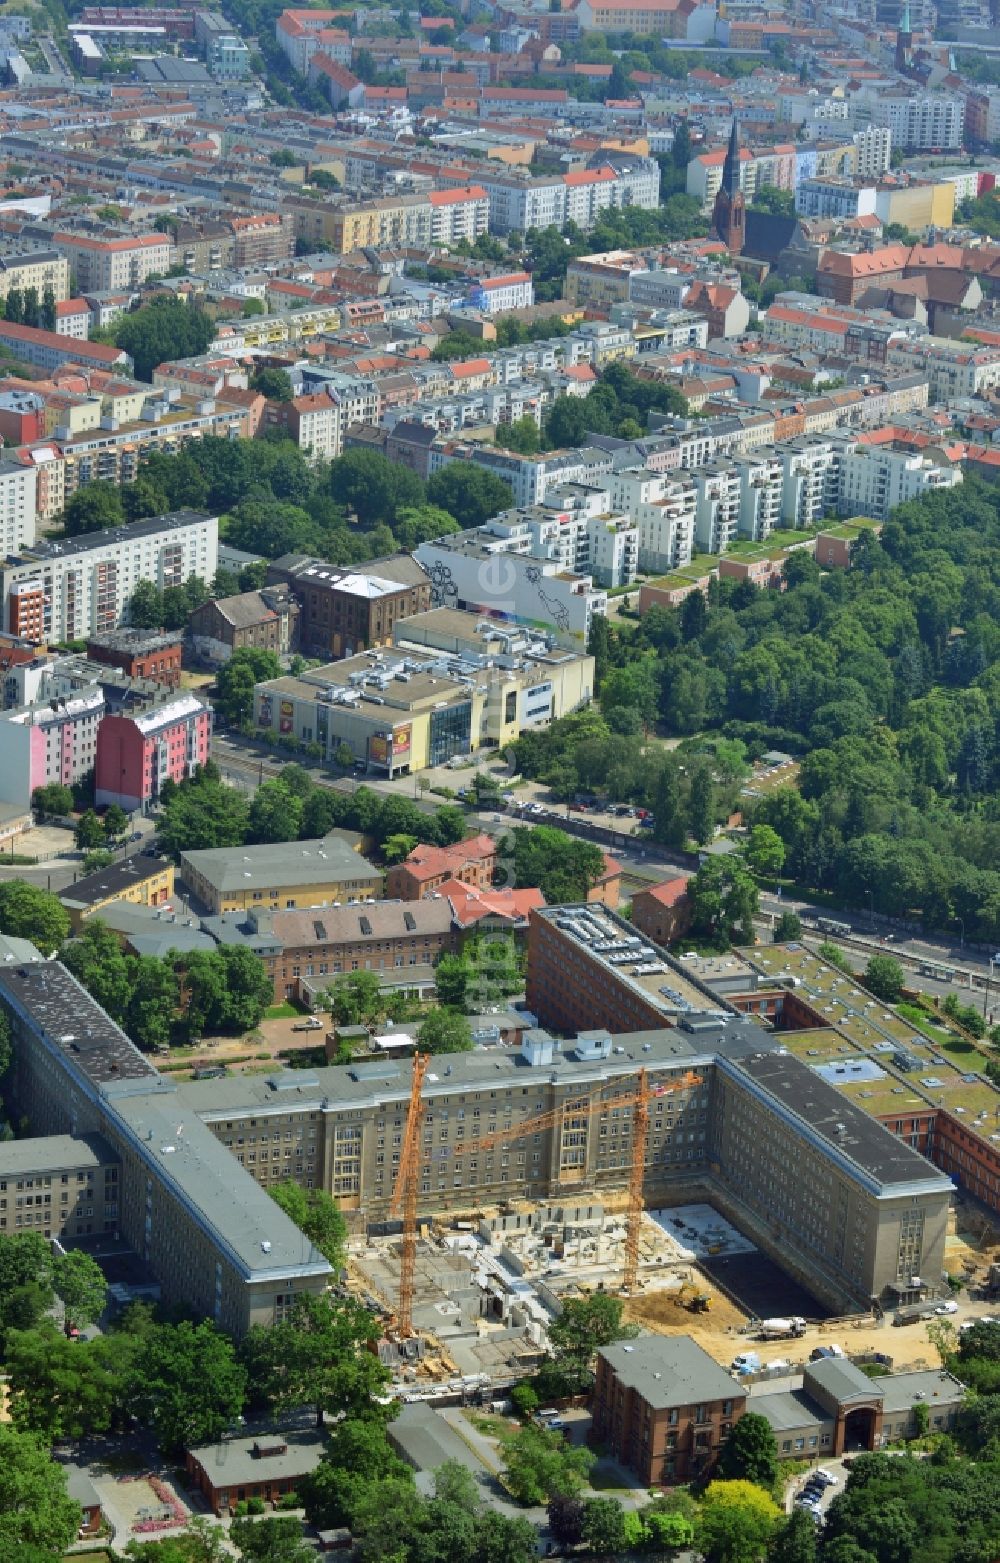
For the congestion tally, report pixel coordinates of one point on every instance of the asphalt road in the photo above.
(246, 768)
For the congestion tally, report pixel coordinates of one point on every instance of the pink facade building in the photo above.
(137, 752)
(52, 741)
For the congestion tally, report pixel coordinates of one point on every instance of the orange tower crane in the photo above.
(639, 1102)
(404, 1196)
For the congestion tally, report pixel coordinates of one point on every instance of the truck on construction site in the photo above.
(780, 1329)
(992, 1288)
(914, 1312)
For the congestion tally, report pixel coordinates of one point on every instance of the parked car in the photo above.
(947, 1307)
(311, 1023)
(827, 1478)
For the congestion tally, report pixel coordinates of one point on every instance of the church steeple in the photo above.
(729, 213)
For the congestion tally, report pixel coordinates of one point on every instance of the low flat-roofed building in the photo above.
(836, 1408)
(138, 880)
(152, 654)
(279, 874)
(403, 708)
(663, 1406)
(246, 1465)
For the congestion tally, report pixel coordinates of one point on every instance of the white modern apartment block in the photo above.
(875, 479)
(486, 574)
(810, 481)
(518, 202)
(17, 507)
(663, 507)
(717, 507)
(459, 214)
(874, 151)
(920, 121)
(761, 490)
(532, 477)
(69, 590)
(55, 741)
(953, 369)
(830, 197)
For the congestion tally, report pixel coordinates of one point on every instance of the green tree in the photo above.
(188, 1385)
(52, 799)
(884, 977)
(275, 813)
(26, 912)
(57, 1388)
(452, 976)
(582, 1328)
(561, 866)
(765, 852)
(750, 1452)
(89, 831)
(418, 524)
(358, 1457)
(604, 1527)
(398, 847)
(36, 1512)
(521, 435)
(203, 813)
(539, 1465)
(701, 802)
(235, 682)
(470, 493)
(202, 1541)
(373, 487)
(166, 328)
(145, 608)
(79, 1282)
(92, 509)
(152, 1002)
(276, 1539)
(737, 1523)
(320, 1355)
(317, 1215)
(787, 928)
(796, 1540)
(445, 1031)
(115, 822)
(272, 383)
(355, 998)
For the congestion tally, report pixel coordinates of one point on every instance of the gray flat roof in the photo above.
(789, 1409)
(232, 1462)
(426, 1440)
(54, 1153)
(87, 541)
(670, 1048)
(228, 869)
(73, 1025)
(902, 1390)
(208, 1181)
(835, 1120)
(669, 1370)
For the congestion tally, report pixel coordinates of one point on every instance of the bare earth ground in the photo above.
(271, 1037)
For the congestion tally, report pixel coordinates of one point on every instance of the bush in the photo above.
(289, 1500)
(524, 1399)
(256, 1506)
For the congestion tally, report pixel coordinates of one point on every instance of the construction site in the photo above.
(486, 1288)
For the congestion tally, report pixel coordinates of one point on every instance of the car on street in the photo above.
(947, 1307)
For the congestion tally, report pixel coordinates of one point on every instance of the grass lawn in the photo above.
(941, 1036)
(492, 1426)
(284, 1011)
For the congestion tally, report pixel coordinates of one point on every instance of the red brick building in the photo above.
(663, 1406)
(150, 654)
(472, 862)
(663, 912)
(137, 752)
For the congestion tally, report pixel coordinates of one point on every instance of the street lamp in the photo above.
(871, 903)
(989, 978)
(961, 923)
